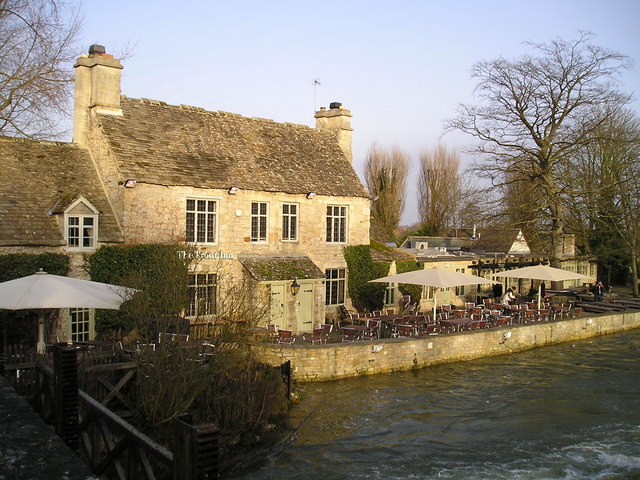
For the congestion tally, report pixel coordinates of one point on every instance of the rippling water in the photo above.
(569, 411)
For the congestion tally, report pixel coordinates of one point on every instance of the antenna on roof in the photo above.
(316, 82)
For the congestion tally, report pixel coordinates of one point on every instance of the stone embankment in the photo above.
(342, 360)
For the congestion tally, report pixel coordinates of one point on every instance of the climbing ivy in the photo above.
(17, 265)
(160, 272)
(414, 290)
(364, 296)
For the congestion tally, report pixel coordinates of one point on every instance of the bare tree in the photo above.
(37, 50)
(605, 187)
(386, 175)
(440, 189)
(534, 113)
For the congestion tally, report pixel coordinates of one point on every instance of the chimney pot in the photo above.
(97, 50)
(333, 105)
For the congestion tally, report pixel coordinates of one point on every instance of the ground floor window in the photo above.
(202, 294)
(335, 286)
(460, 289)
(390, 294)
(81, 324)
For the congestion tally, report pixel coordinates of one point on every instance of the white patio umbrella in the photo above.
(43, 291)
(543, 273)
(435, 277)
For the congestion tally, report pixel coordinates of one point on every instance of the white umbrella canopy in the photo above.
(541, 272)
(44, 291)
(435, 277)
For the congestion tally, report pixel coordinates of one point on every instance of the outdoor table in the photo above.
(502, 320)
(457, 323)
(360, 329)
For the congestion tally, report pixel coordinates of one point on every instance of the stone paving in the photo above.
(29, 448)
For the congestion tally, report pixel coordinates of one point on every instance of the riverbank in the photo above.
(335, 361)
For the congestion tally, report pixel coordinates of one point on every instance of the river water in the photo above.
(569, 411)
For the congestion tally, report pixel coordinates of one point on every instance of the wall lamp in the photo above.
(311, 195)
(232, 190)
(505, 336)
(295, 287)
(130, 183)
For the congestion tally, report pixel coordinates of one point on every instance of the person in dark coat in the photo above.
(598, 292)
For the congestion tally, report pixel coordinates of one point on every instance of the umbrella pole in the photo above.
(40, 341)
(435, 294)
(539, 295)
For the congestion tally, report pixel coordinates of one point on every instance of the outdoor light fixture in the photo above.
(507, 335)
(130, 183)
(311, 195)
(233, 190)
(295, 287)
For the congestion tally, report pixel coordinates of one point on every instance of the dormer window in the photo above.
(81, 225)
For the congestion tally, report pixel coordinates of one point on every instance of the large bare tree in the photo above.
(534, 113)
(37, 50)
(444, 200)
(386, 175)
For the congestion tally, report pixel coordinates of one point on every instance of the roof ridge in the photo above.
(220, 113)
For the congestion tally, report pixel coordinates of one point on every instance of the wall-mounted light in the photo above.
(507, 335)
(130, 183)
(311, 195)
(295, 287)
(233, 190)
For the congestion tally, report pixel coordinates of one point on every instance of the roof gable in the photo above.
(157, 143)
(39, 180)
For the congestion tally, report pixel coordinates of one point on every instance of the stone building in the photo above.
(268, 204)
(52, 201)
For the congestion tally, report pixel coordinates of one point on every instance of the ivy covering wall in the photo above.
(365, 296)
(17, 265)
(414, 290)
(160, 272)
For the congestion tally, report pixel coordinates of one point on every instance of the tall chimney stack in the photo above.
(338, 120)
(97, 89)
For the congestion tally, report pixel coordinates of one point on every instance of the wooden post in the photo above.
(195, 450)
(285, 371)
(65, 369)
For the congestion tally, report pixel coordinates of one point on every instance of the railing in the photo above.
(112, 447)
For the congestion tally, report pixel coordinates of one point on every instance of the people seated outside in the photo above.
(508, 298)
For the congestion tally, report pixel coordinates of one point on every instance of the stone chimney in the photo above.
(338, 120)
(97, 89)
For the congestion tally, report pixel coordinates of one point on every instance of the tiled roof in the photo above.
(495, 241)
(157, 143)
(280, 267)
(35, 176)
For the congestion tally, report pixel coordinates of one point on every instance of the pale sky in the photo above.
(401, 67)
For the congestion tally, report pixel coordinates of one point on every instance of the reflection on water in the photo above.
(569, 411)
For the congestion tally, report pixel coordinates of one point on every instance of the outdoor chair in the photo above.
(316, 336)
(405, 331)
(349, 335)
(285, 337)
(373, 329)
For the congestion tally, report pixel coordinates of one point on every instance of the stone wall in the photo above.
(334, 361)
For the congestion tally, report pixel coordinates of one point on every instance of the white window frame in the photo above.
(460, 290)
(86, 233)
(81, 324)
(335, 286)
(290, 234)
(207, 216)
(390, 294)
(259, 222)
(202, 294)
(336, 219)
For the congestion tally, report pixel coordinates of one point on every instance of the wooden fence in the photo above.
(112, 447)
